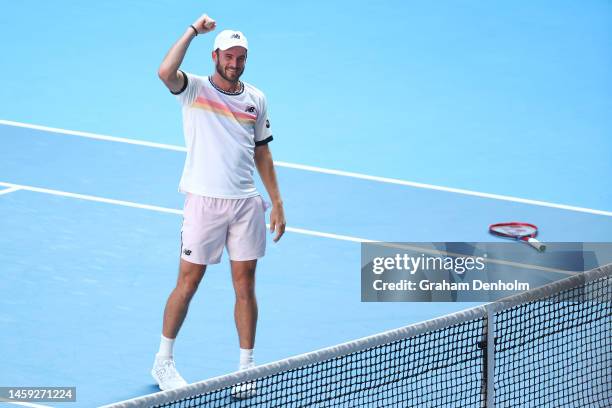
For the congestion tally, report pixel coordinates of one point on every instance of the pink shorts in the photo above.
(209, 224)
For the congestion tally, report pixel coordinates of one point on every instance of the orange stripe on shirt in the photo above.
(224, 110)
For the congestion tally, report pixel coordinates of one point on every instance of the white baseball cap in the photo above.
(230, 38)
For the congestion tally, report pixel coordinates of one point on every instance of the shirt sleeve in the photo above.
(263, 132)
(189, 91)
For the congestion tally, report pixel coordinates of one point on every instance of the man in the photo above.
(227, 132)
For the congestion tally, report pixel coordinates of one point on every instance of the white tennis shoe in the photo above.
(165, 374)
(247, 389)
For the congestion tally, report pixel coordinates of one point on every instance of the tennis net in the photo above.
(551, 346)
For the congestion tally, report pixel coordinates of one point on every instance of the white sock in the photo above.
(246, 359)
(165, 347)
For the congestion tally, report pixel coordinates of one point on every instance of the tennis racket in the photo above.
(521, 231)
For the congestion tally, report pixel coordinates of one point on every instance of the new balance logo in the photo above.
(250, 109)
(187, 252)
(236, 36)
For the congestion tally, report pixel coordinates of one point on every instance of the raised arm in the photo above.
(169, 69)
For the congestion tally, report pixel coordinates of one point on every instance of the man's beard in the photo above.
(221, 72)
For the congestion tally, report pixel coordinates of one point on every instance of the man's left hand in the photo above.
(277, 221)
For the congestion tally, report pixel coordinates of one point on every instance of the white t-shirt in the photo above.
(221, 132)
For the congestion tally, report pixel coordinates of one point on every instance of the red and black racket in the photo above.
(518, 230)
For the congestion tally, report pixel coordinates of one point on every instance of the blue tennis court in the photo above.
(433, 123)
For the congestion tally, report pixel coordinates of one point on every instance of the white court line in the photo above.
(93, 135)
(315, 169)
(9, 190)
(445, 189)
(289, 229)
(92, 198)
(25, 404)
(163, 209)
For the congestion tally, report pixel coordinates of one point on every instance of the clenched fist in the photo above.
(205, 24)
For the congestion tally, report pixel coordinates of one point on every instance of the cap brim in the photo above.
(231, 46)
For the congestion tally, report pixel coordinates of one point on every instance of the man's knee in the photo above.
(244, 286)
(187, 287)
(189, 279)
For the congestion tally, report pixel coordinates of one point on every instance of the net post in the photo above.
(483, 382)
(489, 357)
